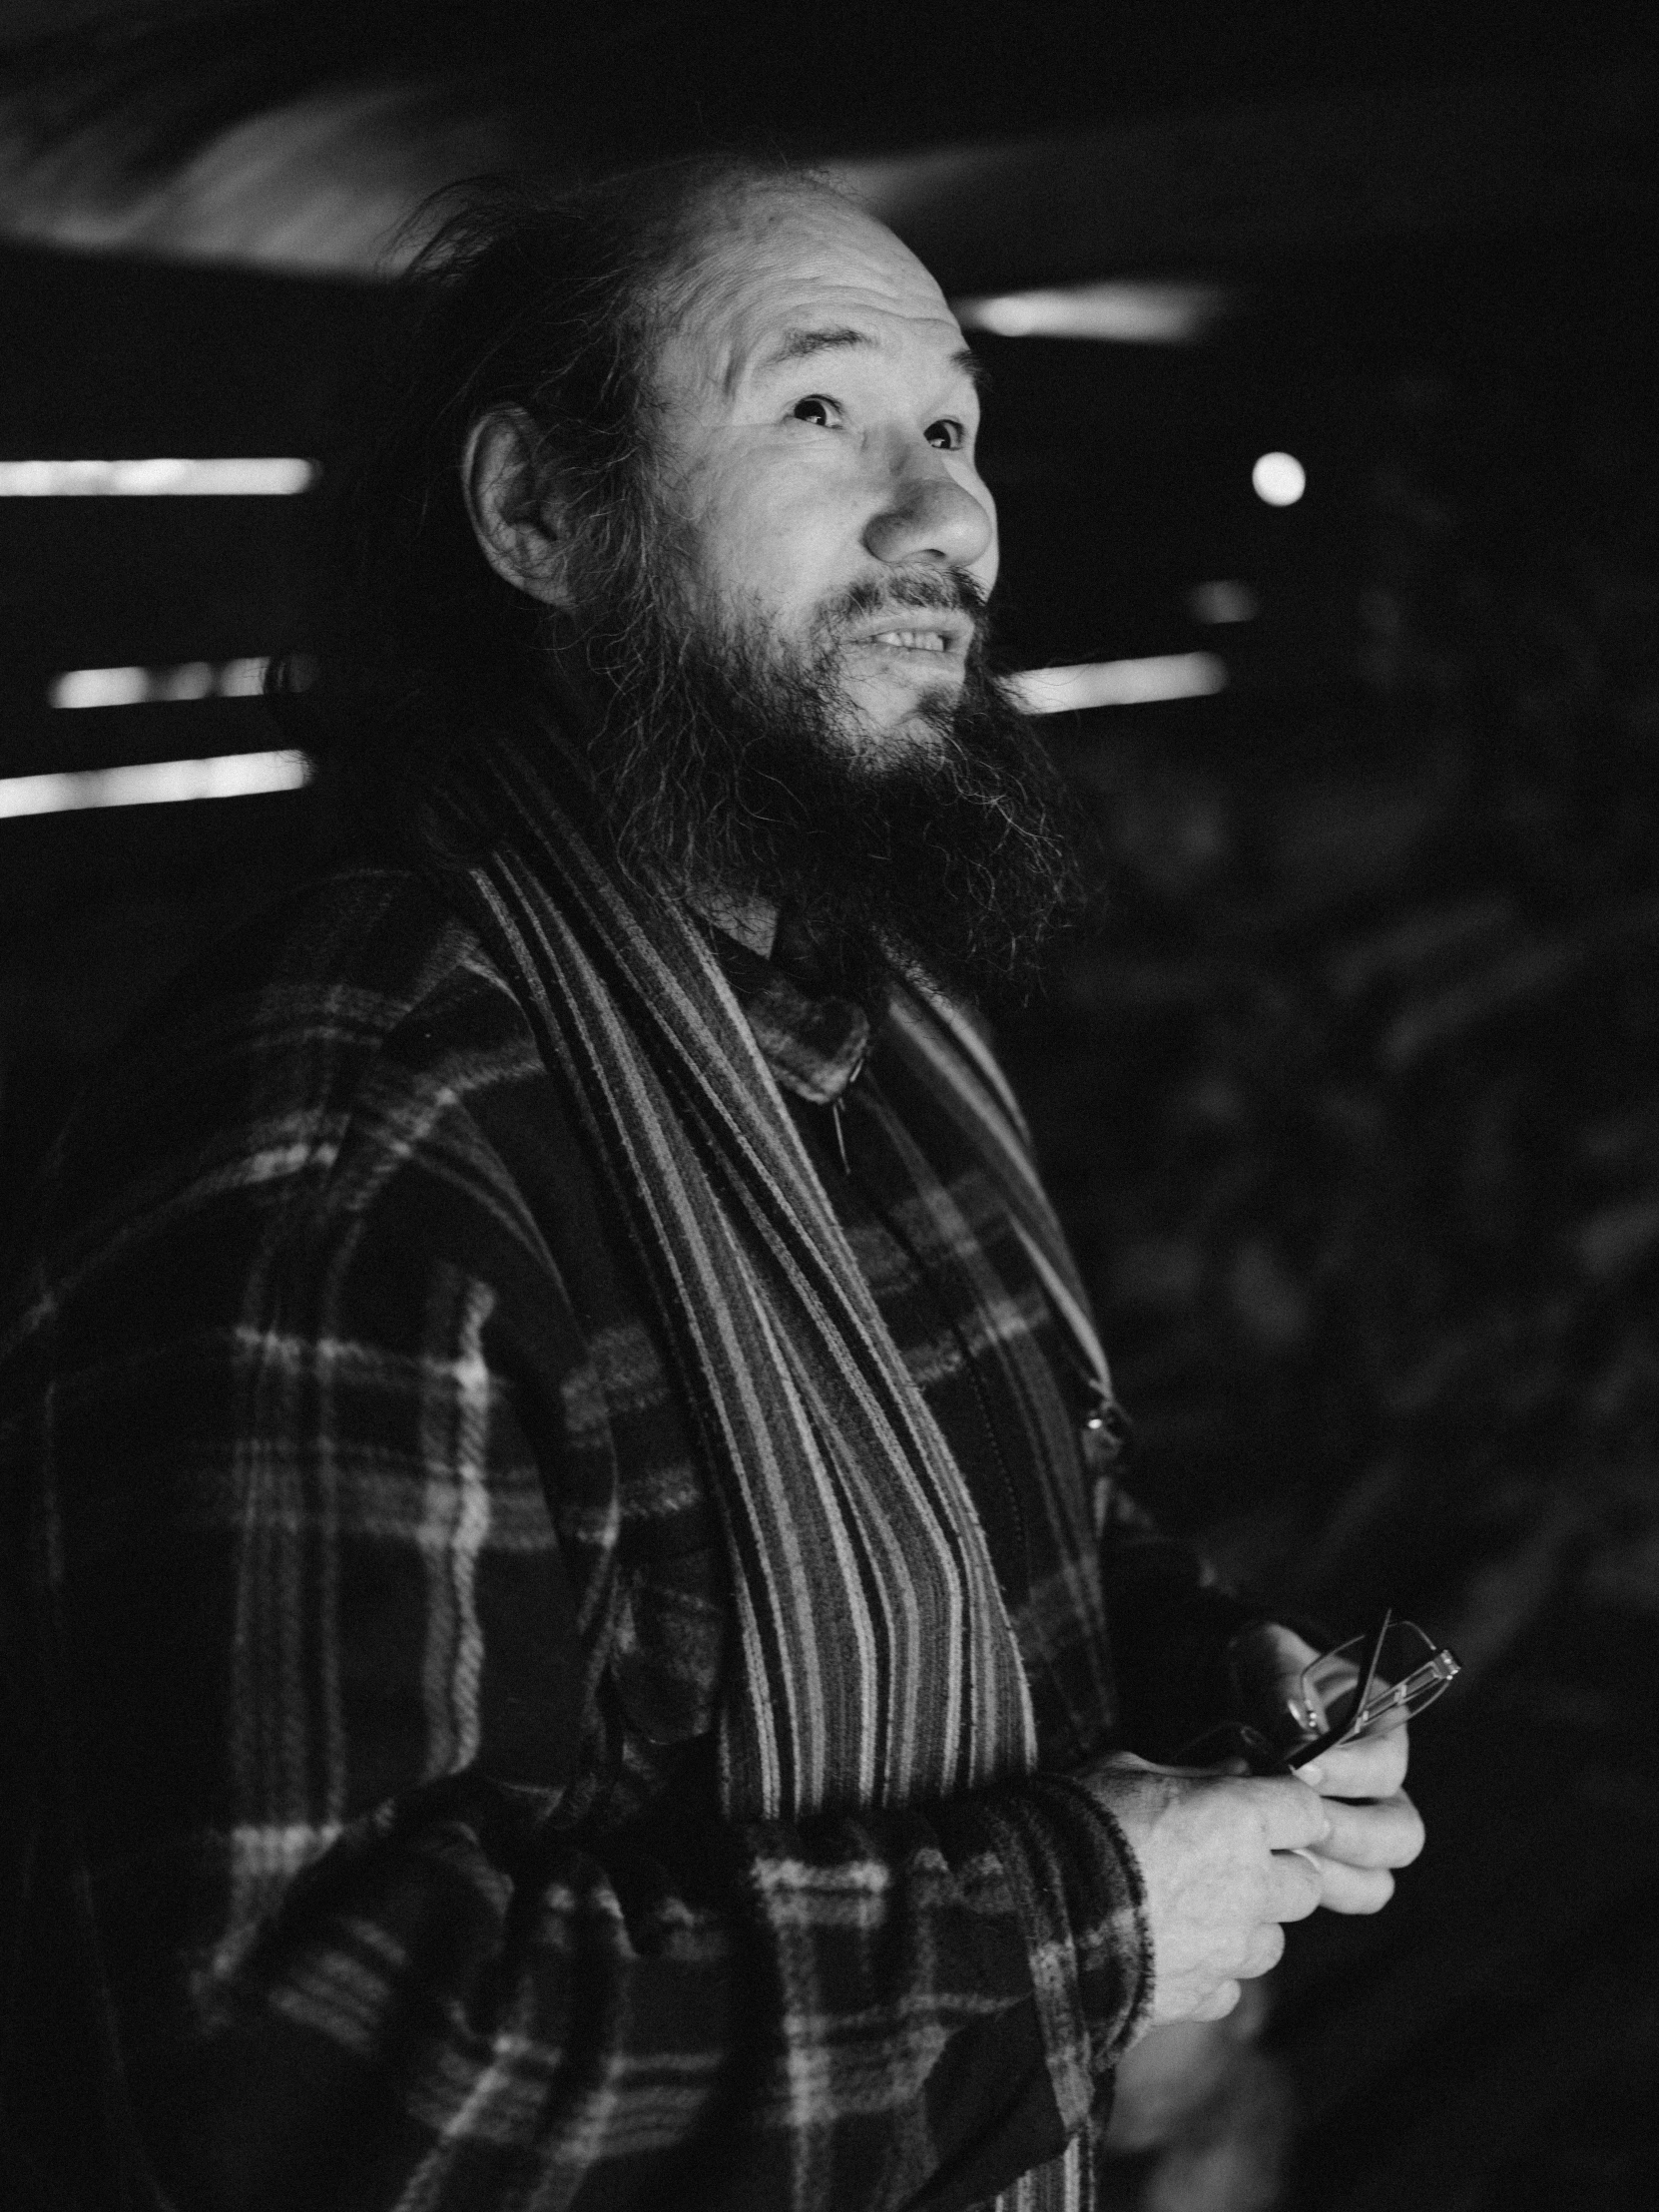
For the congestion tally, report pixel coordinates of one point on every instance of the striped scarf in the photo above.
(876, 1662)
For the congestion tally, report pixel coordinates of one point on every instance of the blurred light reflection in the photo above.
(1226, 600)
(1119, 314)
(1279, 478)
(1139, 682)
(242, 477)
(152, 782)
(137, 687)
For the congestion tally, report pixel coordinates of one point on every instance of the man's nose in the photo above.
(930, 518)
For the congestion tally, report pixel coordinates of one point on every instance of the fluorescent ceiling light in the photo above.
(1120, 314)
(238, 478)
(1058, 691)
(153, 783)
(137, 687)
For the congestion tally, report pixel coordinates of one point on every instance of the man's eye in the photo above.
(814, 409)
(947, 434)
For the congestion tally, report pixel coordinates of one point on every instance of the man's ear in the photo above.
(514, 512)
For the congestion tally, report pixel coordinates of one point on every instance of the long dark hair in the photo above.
(548, 302)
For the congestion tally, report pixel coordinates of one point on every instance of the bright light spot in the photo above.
(136, 687)
(238, 478)
(1223, 602)
(153, 783)
(100, 686)
(1280, 480)
(1125, 314)
(1056, 691)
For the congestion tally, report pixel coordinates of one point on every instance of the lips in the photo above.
(938, 637)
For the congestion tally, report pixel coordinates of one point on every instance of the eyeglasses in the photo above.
(1353, 1689)
(1356, 1688)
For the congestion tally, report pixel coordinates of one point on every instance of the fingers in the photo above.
(1227, 1860)
(1296, 1885)
(1370, 1767)
(1386, 1834)
(1218, 2007)
(1355, 1889)
(1292, 1817)
(1266, 1948)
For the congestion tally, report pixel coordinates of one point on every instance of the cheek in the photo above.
(764, 541)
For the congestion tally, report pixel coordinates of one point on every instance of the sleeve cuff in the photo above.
(1078, 1893)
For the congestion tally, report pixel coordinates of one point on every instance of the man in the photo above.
(586, 1648)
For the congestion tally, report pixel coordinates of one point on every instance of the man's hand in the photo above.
(1375, 1827)
(1224, 1860)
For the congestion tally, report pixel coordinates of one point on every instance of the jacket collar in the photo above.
(815, 1047)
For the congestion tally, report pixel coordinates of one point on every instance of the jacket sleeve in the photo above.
(331, 1603)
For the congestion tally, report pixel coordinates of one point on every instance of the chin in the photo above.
(913, 737)
(921, 728)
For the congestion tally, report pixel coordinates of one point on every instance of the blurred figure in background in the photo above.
(584, 1641)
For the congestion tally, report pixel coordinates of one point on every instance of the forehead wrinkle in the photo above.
(753, 356)
(763, 265)
(800, 345)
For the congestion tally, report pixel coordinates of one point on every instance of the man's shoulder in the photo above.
(315, 988)
(334, 1030)
(376, 942)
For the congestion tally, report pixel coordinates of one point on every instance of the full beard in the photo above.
(730, 770)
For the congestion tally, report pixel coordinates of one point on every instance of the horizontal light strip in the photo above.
(153, 783)
(238, 479)
(1118, 314)
(1058, 691)
(139, 687)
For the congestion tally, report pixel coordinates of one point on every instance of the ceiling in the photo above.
(1058, 141)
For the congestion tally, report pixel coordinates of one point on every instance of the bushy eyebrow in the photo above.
(800, 345)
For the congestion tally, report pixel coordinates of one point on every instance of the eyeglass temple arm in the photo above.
(1373, 1659)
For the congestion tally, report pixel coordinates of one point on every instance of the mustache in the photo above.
(920, 591)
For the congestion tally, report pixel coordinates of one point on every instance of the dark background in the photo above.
(1351, 1101)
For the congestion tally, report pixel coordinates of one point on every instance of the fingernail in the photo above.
(1313, 1776)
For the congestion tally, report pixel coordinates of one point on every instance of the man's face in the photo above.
(817, 443)
(778, 657)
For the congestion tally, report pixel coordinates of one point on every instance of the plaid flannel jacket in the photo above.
(382, 1605)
